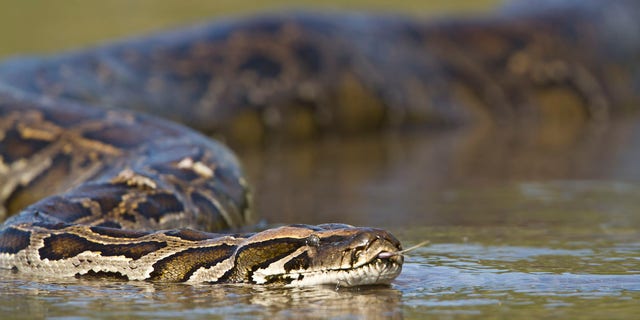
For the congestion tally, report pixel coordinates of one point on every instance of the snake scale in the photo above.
(95, 187)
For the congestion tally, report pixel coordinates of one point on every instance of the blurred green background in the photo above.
(44, 26)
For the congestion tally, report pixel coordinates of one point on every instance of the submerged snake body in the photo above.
(109, 178)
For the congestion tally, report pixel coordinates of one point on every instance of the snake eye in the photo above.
(313, 241)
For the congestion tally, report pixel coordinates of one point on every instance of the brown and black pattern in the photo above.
(260, 255)
(301, 261)
(114, 232)
(88, 180)
(14, 240)
(181, 266)
(64, 246)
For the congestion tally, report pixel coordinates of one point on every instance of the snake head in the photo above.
(333, 254)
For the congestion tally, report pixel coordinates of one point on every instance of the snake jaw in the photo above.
(379, 271)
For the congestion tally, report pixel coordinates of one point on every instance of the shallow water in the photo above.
(516, 229)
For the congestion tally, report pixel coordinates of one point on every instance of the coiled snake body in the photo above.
(92, 182)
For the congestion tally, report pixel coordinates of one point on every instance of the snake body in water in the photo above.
(94, 187)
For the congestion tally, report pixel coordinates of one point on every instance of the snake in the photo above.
(111, 160)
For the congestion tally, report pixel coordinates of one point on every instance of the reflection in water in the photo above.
(46, 297)
(417, 175)
(370, 303)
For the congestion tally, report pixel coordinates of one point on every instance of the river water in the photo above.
(519, 225)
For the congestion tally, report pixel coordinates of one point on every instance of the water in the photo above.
(516, 229)
(540, 224)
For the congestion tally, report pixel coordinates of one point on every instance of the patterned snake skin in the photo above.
(88, 178)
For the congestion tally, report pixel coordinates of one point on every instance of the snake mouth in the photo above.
(378, 271)
(381, 269)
